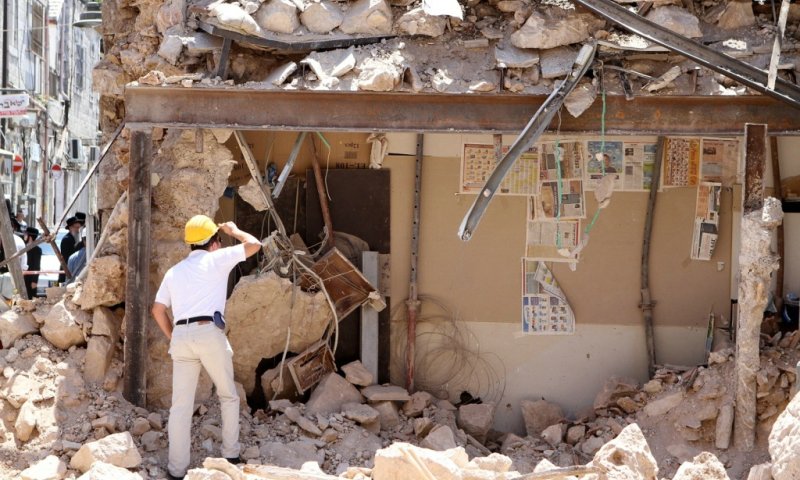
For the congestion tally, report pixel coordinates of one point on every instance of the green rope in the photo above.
(602, 164)
(560, 188)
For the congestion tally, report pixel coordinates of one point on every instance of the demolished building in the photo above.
(210, 92)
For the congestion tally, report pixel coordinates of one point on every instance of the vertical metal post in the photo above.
(413, 297)
(647, 300)
(9, 247)
(138, 282)
(778, 189)
(369, 317)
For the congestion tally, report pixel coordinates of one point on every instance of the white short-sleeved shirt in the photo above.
(23, 259)
(198, 284)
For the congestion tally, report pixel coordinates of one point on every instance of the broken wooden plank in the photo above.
(772, 74)
(10, 248)
(311, 366)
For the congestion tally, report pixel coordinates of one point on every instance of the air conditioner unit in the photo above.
(75, 150)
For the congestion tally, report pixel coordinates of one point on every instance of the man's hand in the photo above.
(228, 228)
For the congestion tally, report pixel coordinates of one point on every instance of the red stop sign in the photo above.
(17, 165)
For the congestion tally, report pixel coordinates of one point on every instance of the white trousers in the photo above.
(191, 347)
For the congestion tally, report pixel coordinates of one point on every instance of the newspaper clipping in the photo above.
(569, 205)
(640, 159)
(545, 239)
(706, 222)
(567, 155)
(682, 162)
(604, 158)
(545, 310)
(478, 161)
(720, 162)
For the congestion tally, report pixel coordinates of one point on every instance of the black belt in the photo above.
(187, 321)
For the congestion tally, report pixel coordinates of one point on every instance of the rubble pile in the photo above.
(62, 416)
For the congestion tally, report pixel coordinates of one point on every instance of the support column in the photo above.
(137, 302)
(757, 262)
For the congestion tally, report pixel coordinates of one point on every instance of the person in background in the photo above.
(21, 220)
(34, 261)
(71, 243)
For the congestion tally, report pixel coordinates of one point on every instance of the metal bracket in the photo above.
(742, 72)
(532, 131)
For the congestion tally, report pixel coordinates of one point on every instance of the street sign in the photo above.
(16, 167)
(14, 105)
(56, 171)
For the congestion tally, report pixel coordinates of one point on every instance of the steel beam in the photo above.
(245, 109)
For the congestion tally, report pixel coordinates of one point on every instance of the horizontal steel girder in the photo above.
(244, 109)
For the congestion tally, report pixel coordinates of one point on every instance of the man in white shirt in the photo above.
(195, 289)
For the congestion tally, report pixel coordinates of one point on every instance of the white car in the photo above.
(50, 266)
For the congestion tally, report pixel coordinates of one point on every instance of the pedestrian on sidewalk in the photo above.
(34, 261)
(195, 288)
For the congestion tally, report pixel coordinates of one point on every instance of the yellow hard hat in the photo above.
(199, 229)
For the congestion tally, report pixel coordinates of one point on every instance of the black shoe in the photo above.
(235, 460)
(173, 477)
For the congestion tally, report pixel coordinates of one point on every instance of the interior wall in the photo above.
(789, 154)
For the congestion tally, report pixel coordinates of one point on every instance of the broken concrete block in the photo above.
(399, 461)
(784, 442)
(554, 28)
(557, 62)
(357, 374)
(417, 22)
(15, 325)
(592, 445)
(104, 322)
(105, 471)
(19, 388)
(99, 353)
(278, 16)
(575, 434)
(372, 17)
(377, 75)
(360, 413)
(117, 449)
(105, 283)
(331, 393)
(677, 19)
(331, 64)
(321, 17)
(417, 404)
(539, 415)
(49, 468)
(140, 426)
(109, 79)
(290, 455)
(705, 465)
(201, 43)
(509, 56)
(63, 326)
(171, 48)
(206, 474)
(476, 419)
(439, 438)
(422, 426)
(760, 472)
(151, 441)
(737, 14)
(627, 456)
(664, 404)
(293, 414)
(26, 421)
(233, 16)
(580, 99)
(389, 414)
(554, 434)
(382, 393)
(266, 304)
(724, 427)
(277, 77)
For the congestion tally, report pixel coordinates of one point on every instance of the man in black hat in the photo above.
(34, 261)
(81, 218)
(71, 242)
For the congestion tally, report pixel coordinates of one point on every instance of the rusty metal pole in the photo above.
(323, 199)
(137, 294)
(413, 297)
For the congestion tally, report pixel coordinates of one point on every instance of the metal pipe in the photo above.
(289, 165)
(323, 200)
(413, 295)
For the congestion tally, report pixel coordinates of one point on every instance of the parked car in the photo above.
(50, 267)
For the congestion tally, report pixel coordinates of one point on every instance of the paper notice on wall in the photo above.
(720, 161)
(640, 159)
(706, 221)
(561, 160)
(681, 162)
(604, 158)
(545, 239)
(545, 310)
(566, 206)
(478, 161)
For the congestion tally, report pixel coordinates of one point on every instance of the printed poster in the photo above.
(681, 162)
(640, 159)
(479, 161)
(566, 155)
(706, 222)
(569, 205)
(604, 160)
(545, 309)
(720, 161)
